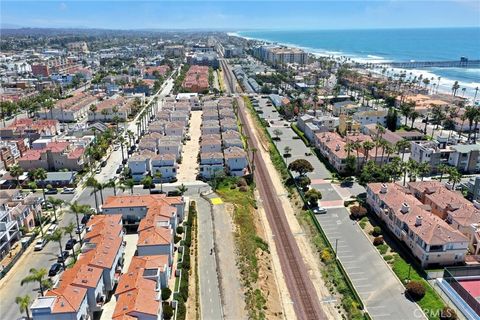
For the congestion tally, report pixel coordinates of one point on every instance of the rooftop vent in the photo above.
(476, 204)
(418, 221)
(383, 188)
(337, 147)
(405, 208)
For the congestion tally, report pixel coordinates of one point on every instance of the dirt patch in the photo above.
(193, 304)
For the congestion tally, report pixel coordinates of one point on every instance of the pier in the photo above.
(462, 63)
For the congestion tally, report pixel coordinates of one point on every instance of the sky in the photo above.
(240, 15)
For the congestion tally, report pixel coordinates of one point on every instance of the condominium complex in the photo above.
(280, 55)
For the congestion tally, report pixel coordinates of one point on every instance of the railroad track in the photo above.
(300, 286)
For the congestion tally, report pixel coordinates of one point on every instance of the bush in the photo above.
(357, 212)
(448, 314)
(243, 189)
(304, 182)
(378, 241)
(179, 229)
(176, 239)
(388, 257)
(166, 293)
(326, 256)
(167, 312)
(383, 248)
(377, 231)
(415, 289)
(242, 182)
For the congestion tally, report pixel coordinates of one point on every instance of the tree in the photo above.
(357, 212)
(16, 171)
(158, 176)
(93, 108)
(57, 237)
(415, 289)
(182, 189)
(69, 229)
(128, 183)
(405, 110)
(402, 146)
(40, 174)
(312, 196)
(23, 303)
(423, 169)
(286, 151)
(301, 166)
(367, 146)
(38, 275)
(166, 292)
(112, 183)
(56, 204)
(455, 176)
(93, 183)
(277, 133)
(443, 169)
(147, 182)
(77, 209)
(413, 116)
(167, 312)
(455, 88)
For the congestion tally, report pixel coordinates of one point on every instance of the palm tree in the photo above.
(121, 139)
(357, 146)
(93, 183)
(367, 146)
(455, 87)
(147, 181)
(401, 146)
(455, 177)
(41, 174)
(69, 229)
(128, 183)
(471, 113)
(413, 116)
(57, 237)
(16, 171)
(379, 135)
(56, 203)
(76, 209)
(93, 108)
(475, 97)
(423, 169)
(182, 189)
(104, 113)
(23, 303)
(443, 169)
(158, 175)
(38, 275)
(112, 183)
(405, 110)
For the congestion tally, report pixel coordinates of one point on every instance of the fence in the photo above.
(25, 245)
(451, 276)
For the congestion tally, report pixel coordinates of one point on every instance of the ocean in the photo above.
(382, 45)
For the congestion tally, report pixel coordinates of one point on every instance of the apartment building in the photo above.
(174, 51)
(211, 164)
(451, 206)
(108, 109)
(53, 157)
(71, 109)
(311, 125)
(196, 79)
(236, 161)
(83, 289)
(465, 158)
(280, 55)
(140, 164)
(30, 128)
(430, 239)
(166, 164)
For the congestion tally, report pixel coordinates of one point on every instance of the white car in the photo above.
(52, 229)
(68, 190)
(40, 244)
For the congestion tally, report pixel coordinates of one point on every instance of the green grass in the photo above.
(247, 243)
(431, 302)
(300, 134)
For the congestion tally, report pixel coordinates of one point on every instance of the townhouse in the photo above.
(176, 128)
(134, 208)
(432, 241)
(140, 164)
(458, 212)
(210, 145)
(211, 164)
(83, 289)
(166, 165)
(71, 109)
(210, 127)
(236, 161)
(311, 125)
(30, 128)
(109, 109)
(54, 156)
(228, 124)
(170, 145)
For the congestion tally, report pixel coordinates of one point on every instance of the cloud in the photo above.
(63, 6)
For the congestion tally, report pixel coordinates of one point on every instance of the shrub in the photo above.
(243, 189)
(304, 182)
(166, 293)
(179, 229)
(378, 241)
(448, 314)
(357, 212)
(377, 231)
(326, 256)
(383, 248)
(242, 182)
(388, 257)
(167, 312)
(415, 289)
(176, 239)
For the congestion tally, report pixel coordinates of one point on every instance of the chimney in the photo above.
(405, 208)
(383, 188)
(418, 221)
(337, 147)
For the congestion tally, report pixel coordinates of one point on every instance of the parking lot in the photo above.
(380, 290)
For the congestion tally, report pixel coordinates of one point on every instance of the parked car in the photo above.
(51, 191)
(116, 148)
(119, 169)
(54, 269)
(104, 163)
(308, 154)
(99, 170)
(68, 190)
(63, 257)
(40, 244)
(156, 191)
(70, 244)
(80, 229)
(174, 193)
(319, 210)
(85, 218)
(52, 228)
